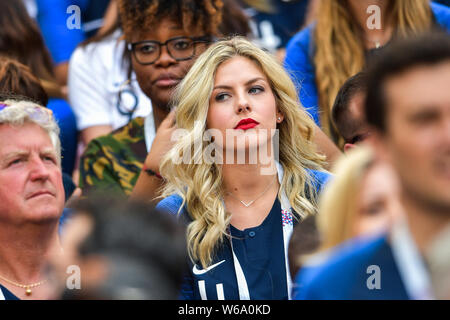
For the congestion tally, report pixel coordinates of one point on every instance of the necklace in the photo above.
(27, 287)
(248, 204)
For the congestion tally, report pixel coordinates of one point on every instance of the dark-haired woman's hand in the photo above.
(162, 142)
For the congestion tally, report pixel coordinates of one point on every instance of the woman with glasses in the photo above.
(163, 40)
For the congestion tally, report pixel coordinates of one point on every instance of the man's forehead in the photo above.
(9, 152)
(420, 88)
(24, 139)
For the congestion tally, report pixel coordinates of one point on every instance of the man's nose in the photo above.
(38, 169)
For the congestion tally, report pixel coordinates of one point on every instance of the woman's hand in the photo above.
(147, 185)
(162, 142)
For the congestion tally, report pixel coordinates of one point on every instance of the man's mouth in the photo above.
(41, 193)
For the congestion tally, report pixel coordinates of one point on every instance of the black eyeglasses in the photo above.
(179, 48)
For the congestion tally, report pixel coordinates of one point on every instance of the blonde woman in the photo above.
(240, 213)
(326, 53)
(362, 199)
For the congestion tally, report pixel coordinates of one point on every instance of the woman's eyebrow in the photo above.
(247, 83)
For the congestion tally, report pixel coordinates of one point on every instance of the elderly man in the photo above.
(31, 198)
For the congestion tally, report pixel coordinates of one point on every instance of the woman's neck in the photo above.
(249, 195)
(247, 180)
(376, 24)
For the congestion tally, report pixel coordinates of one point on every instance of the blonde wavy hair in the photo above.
(339, 44)
(200, 183)
(337, 202)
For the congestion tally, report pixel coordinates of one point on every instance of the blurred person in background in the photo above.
(20, 39)
(321, 57)
(408, 107)
(31, 198)
(362, 199)
(121, 251)
(66, 23)
(274, 22)
(347, 114)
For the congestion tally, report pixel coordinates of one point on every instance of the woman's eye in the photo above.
(147, 49)
(221, 96)
(375, 208)
(255, 90)
(181, 45)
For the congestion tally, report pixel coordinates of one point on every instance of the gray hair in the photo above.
(20, 112)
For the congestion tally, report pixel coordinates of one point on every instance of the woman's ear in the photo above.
(280, 117)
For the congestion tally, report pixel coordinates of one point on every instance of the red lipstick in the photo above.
(246, 124)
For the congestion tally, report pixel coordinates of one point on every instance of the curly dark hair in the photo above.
(194, 15)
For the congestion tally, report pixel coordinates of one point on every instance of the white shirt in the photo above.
(96, 74)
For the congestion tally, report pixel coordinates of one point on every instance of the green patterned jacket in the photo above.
(112, 163)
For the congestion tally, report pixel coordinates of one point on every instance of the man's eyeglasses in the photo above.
(179, 48)
(39, 114)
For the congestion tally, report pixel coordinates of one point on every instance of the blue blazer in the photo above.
(349, 272)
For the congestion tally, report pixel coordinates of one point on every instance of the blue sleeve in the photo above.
(170, 204)
(320, 179)
(442, 15)
(52, 19)
(299, 65)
